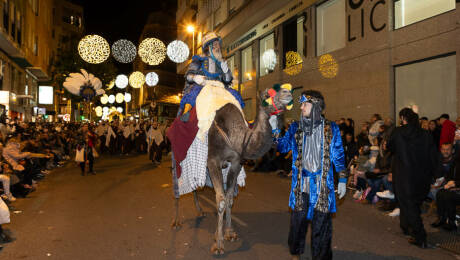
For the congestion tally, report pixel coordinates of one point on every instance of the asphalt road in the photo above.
(125, 211)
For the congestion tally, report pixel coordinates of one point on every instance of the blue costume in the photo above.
(336, 158)
(317, 150)
(200, 66)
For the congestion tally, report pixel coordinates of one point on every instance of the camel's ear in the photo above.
(264, 94)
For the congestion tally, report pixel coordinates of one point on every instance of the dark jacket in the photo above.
(414, 161)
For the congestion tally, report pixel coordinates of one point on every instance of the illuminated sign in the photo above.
(45, 95)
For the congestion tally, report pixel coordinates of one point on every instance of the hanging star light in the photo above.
(136, 79)
(120, 109)
(269, 59)
(152, 51)
(119, 98)
(328, 66)
(104, 99)
(177, 51)
(293, 63)
(111, 99)
(94, 49)
(127, 97)
(151, 79)
(124, 51)
(121, 81)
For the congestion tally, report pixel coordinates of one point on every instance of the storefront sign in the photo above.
(45, 95)
(268, 24)
(375, 26)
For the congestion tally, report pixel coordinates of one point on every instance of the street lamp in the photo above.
(191, 29)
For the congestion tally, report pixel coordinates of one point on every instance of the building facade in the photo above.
(366, 57)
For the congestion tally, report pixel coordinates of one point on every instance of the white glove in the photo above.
(224, 66)
(199, 79)
(342, 189)
(273, 122)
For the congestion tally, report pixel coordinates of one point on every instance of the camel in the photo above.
(230, 140)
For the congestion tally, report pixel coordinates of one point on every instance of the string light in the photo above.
(136, 79)
(151, 79)
(120, 109)
(269, 59)
(111, 99)
(293, 63)
(152, 51)
(104, 99)
(177, 51)
(105, 109)
(94, 49)
(328, 66)
(127, 97)
(120, 98)
(124, 51)
(121, 81)
(112, 109)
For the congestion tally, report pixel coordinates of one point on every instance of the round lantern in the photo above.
(104, 99)
(121, 81)
(111, 99)
(124, 51)
(136, 79)
(328, 66)
(151, 79)
(177, 51)
(105, 109)
(119, 98)
(269, 59)
(93, 49)
(152, 51)
(120, 109)
(127, 97)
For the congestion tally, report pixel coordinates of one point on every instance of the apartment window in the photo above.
(411, 11)
(414, 85)
(267, 57)
(220, 15)
(330, 22)
(6, 18)
(301, 48)
(246, 64)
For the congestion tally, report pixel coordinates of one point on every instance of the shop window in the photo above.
(301, 47)
(232, 66)
(411, 11)
(246, 64)
(431, 85)
(330, 30)
(289, 38)
(267, 57)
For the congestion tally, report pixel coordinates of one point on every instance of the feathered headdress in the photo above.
(84, 85)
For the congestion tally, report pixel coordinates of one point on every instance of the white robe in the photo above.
(109, 135)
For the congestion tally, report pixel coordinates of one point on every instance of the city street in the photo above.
(125, 210)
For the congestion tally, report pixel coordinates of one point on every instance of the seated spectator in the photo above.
(444, 168)
(363, 136)
(381, 169)
(359, 172)
(350, 148)
(447, 199)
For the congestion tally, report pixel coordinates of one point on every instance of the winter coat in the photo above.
(414, 161)
(447, 132)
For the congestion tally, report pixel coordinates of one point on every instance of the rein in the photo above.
(277, 111)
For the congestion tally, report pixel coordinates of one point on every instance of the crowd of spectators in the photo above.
(29, 151)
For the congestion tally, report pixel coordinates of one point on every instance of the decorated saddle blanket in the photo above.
(194, 168)
(212, 97)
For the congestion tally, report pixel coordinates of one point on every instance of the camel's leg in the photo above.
(199, 211)
(176, 222)
(215, 173)
(232, 176)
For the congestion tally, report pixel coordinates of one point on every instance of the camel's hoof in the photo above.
(230, 235)
(216, 250)
(176, 224)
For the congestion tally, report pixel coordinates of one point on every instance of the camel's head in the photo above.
(277, 99)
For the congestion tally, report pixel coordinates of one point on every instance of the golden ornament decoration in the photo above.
(328, 66)
(293, 63)
(152, 51)
(94, 49)
(136, 79)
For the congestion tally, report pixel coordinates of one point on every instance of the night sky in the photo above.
(114, 21)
